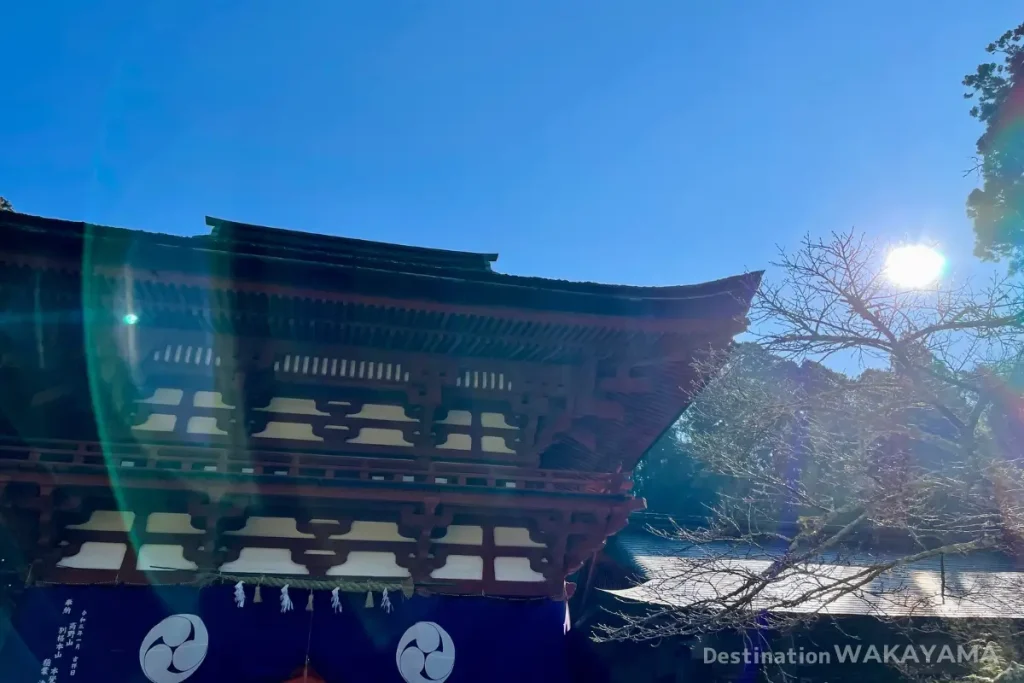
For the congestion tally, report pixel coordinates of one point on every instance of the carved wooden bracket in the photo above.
(419, 522)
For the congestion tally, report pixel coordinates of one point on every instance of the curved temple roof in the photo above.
(281, 257)
(714, 575)
(636, 344)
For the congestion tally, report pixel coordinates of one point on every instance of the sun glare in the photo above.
(914, 265)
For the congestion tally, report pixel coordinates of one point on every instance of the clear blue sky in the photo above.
(634, 142)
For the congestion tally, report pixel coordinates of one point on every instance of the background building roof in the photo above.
(678, 574)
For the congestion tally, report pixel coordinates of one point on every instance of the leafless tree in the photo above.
(848, 482)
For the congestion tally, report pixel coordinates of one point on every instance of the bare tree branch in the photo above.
(842, 483)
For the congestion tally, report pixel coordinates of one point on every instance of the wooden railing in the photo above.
(207, 461)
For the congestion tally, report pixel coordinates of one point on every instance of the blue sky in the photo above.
(641, 143)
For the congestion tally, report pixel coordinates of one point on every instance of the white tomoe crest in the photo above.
(173, 649)
(425, 654)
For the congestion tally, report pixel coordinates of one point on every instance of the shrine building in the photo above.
(261, 455)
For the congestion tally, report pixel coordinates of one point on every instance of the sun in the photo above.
(914, 265)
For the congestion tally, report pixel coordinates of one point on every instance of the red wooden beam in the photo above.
(526, 500)
(727, 328)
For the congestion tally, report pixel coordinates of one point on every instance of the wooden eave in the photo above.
(318, 293)
(247, 267)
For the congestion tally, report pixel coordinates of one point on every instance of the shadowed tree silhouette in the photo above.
(997, 207)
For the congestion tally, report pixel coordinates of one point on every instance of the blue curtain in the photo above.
(98, 634)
